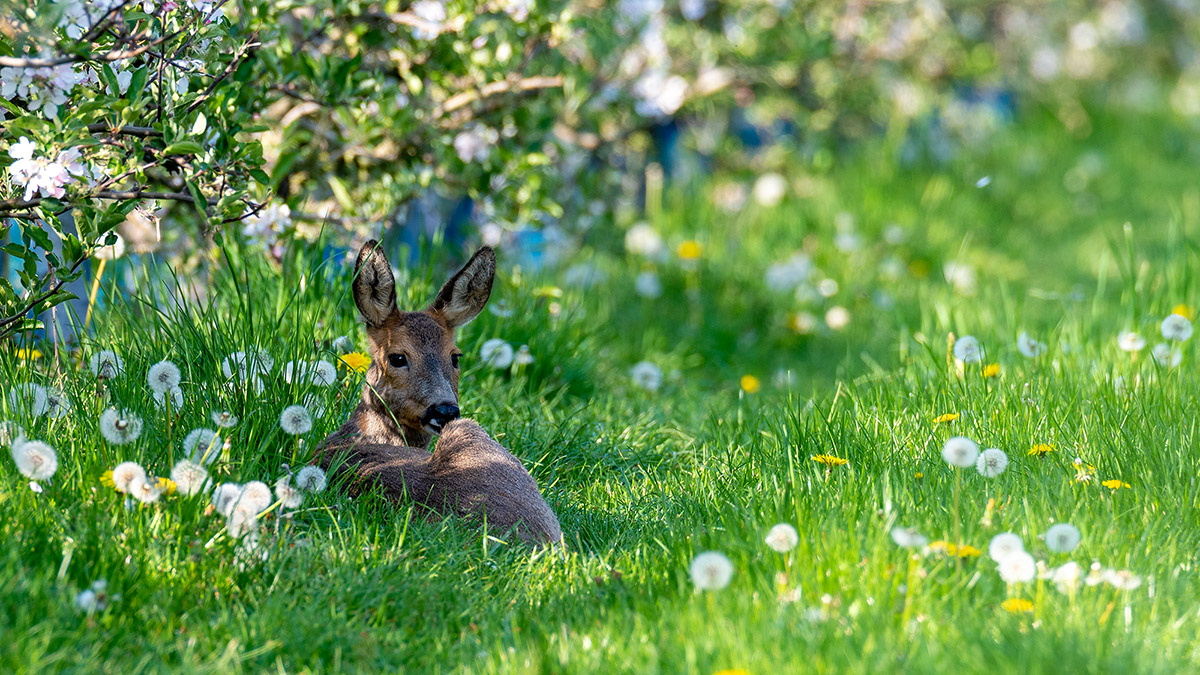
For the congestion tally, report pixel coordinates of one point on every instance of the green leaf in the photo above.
(137, 84)
(200, 202)
(341, 193)
(183, 148)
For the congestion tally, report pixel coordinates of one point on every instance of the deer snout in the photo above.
(438, 416)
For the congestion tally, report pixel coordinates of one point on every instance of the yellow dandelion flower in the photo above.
(1116, 484)
(165, 485)
(28, 354)
(1083, 471)
(918, 475)
(106, 479)
(1040, 450)
(968, 551)
(830, 460)
(948, 417)
(690, 250)
(1185, 311)
(733, 671)
(750, 384)
(955, 550)
(991, 370)
(357, 361)
(1017, 605)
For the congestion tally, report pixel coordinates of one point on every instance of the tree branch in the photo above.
(465, 98)
(140, 132)
(12, 205)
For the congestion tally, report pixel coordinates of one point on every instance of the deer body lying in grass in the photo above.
(411, 393)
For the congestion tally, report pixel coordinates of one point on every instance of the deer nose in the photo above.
(440, 415)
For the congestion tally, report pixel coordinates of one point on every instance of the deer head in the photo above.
(413, 379)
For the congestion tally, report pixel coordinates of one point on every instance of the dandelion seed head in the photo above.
(1029, 347)
(35, 460)
(1176, 328)
(163, 377)
(323, 373)
(224, 419)
(1131, 342)
(30, 398)
(1166, 356)
(190, 477)
(647, 376)
(144, 490)
(241, 521)
(107, 364)
(1123, 580)
(254, 495)
(1003, 545)
(991, 463)
(311, 479)
(343, 344)
(1017, 568)
(1066, 577)
(174, 396)
(120, 428)
(968, 350)
(782, 538)
(497, 353)
(57, 403)
(224, 497)
(295, 420)
(711, 571)
(289, 497)
(124, 474)
(1063, 537)
(202, 446)
(909, 537)
(960, 451)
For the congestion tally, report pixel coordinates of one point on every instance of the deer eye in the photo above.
(454, 359)
(397, 360)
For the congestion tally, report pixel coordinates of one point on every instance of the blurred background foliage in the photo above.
(551, 128)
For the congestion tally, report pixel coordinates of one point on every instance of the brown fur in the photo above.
(385, 442)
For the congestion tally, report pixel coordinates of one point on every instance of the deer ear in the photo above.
(374, 285)
(465, 294)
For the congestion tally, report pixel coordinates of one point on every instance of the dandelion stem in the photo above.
(87, 317)
(957, 514)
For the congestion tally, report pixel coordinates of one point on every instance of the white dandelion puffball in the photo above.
(224, 497)
(254, 495)
(190, 478)
(992, 462)
(295, 420)
(289, 497)
(642, 239)
(497, 353)
(224, 419)
(1066, 577)
(1017, 568)
(119, 427)
(247, 365)
(909, 537)
(323, 374)
(35, 460)
(1176, 328)
(163, 377)
(125, 473)
(782, 538)
(769, 190)
(343, 344)
(109, 252)
(960, 451)
(85, 601)
(297, 371)
(711, 571)
(837, 317)
(202, 446)
(145, 490)
(29, 397)
(648, 285)
(106, 364)
(1122, 580)
(315, 407)
(1004, 545)
(646, 376)
(1131, 342)
(241, 521)
(174, 396)
(1063, 537)
(968, 350)
(311, 479)
(57, 403)
(1165, 356)
(523, 357)
(1029, 347)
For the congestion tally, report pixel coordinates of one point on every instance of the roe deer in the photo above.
(411, 392)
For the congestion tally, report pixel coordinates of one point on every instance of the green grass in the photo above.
(643, 481)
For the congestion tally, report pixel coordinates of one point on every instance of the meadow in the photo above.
(749, 356)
